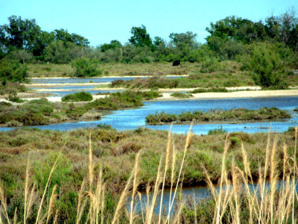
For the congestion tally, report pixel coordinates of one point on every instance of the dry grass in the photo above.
(273, 204)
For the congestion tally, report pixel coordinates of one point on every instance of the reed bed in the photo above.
(234, 201)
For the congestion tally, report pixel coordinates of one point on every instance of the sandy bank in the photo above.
(236, 94)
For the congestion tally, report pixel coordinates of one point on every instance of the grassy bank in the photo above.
(233, 115)
(42, 112)
(102, 163)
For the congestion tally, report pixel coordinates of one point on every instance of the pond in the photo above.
(131, 119)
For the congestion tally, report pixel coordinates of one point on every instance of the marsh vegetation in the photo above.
(112, 166)
(232, 115)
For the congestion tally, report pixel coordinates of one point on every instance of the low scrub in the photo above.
(213, 90)
(85, 67)
(239, 114)
(11, 88)
(76, 97)
(12, 71)
(181, 95)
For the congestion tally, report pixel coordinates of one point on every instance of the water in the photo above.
(93, 92)
(88, 80)
(131, 119)
(190, 195)
(73, 89)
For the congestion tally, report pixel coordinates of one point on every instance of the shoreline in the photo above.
(166, 95)
(110, 76)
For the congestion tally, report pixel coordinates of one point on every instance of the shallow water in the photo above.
(93, 92)
(131, 119)
(189, 196)
(88, 80)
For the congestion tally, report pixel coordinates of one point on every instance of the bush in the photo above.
(217, 131)
(210, 64)
(210, 90)
(13, 71)
(181, 95)
(85, 67)
(76, 97)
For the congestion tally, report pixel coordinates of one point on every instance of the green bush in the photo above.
(14, 98)
(85, 67)
(75, 112)
(217, 131)
(210, 90)
(210, 64)
(181, 95)
(13, 71)
(76, 97)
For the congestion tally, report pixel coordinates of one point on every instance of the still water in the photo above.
(131, 119)
(87, 80)
(190, 195)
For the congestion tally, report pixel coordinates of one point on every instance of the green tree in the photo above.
(22, 56)
(184, 40)
(114, 44)
(266, 66)
(237, 29)
(60, 52)
(19, 33)
(140, 37)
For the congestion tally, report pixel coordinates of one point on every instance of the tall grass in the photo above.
(234, 200)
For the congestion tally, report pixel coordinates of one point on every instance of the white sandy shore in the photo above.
(236, 94)
(166, 96)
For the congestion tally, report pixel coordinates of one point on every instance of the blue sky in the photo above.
(102, 21)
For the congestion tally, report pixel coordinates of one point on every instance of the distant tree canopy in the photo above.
(114, 44)
(229, 39)
(26, 35)
(283, 28)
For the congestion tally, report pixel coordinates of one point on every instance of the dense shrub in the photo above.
(76, 97)
(210, 64)
(85, 67)
(13, 71)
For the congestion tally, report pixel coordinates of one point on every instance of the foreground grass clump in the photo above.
(239, 114)
(76, 97)
(83, 178)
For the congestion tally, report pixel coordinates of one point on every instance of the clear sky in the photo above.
(101, 21)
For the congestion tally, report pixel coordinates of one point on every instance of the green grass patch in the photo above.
(214, 90)
(77, 97)
(239, 114)
(181, 95)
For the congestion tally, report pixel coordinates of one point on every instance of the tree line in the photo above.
(24, 40)
(267, 49)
